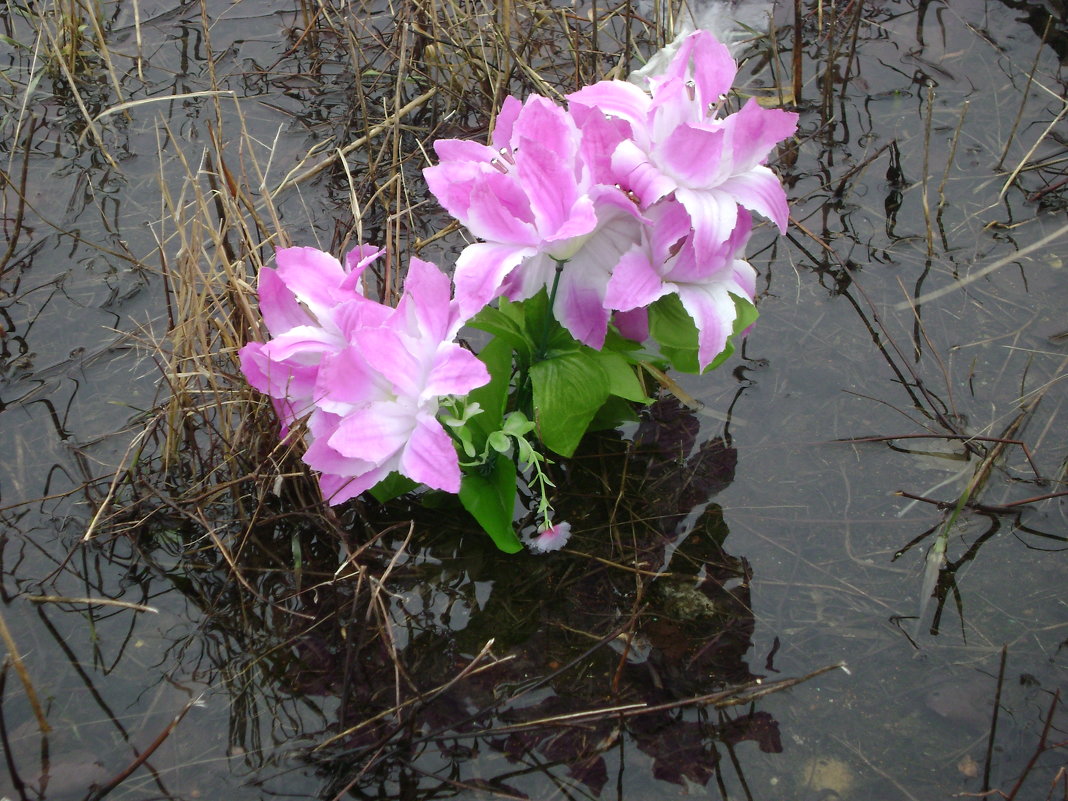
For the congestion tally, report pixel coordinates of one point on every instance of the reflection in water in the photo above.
(560, 669)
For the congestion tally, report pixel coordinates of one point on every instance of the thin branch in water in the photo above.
(1040, 749)
(1031, 152)
(100, 792)
(926, 158)
(945, 173)
(964, 438)
(57, 599)
(294, 177)
(24, 675)
(1023, 98)
(985, 271)
(994, 721)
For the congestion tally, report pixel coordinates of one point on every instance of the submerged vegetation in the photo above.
(155, 526)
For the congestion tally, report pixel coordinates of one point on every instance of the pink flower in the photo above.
(300, 301)
(678, 146)
(369, 378)
(552, 538)
(704, 284)
(378, 397)
(533, 198)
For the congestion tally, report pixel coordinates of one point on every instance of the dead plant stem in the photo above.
(798, 51)
(24, 676)
(1040, 748)
(1034, 147)
(985, 271)
(1026, 94)
(952, 155)
(20, 205)
(735, 696)
(988, 762)
(100, 792)
(962, 437)
(858, 8)
(472, 668)
(58, 599)
(926, 170)
(295, 177)
(77, 95)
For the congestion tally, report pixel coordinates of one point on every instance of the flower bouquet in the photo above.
(611, 236)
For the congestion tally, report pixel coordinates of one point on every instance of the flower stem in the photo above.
(543, 346)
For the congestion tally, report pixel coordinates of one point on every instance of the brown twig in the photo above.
(1023, 97)
(1035, 499)
(964, 438)
(1037, 195)
(798, 52)
(735, 696)
(58, 599)
(24, 675)
(994, 721)
(1040, 749)
(20, 207)
(101, 791)
(12, 768)
(295, 177)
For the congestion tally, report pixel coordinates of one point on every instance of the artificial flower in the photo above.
(550, 538)
(377, 398)
(532, 198)
(679, 147)
(368, 378)
(300, 300)
(704, 284)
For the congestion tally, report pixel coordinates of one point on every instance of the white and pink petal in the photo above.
(713, 215)
(375, 433)
(455, 371)
(760, 190)
(429, 456)
(314, 277)
(614, 99)
(481, 270)
(713, 312)
(755, 130)
(278, 306)
(634, 284)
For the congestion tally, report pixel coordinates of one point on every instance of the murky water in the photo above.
(787, 546)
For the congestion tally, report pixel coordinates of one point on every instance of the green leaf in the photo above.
(685, 359)
(505, 326)
(490, 498)
(671, 325)
(561, 341)
(622, 379)
(392, 486)
(568, 391)
(615, 341)
(517, 425)
(492, 397)
(674, 330)
(747, 313)
(543, 329)
(614, 412)
(534, 311)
